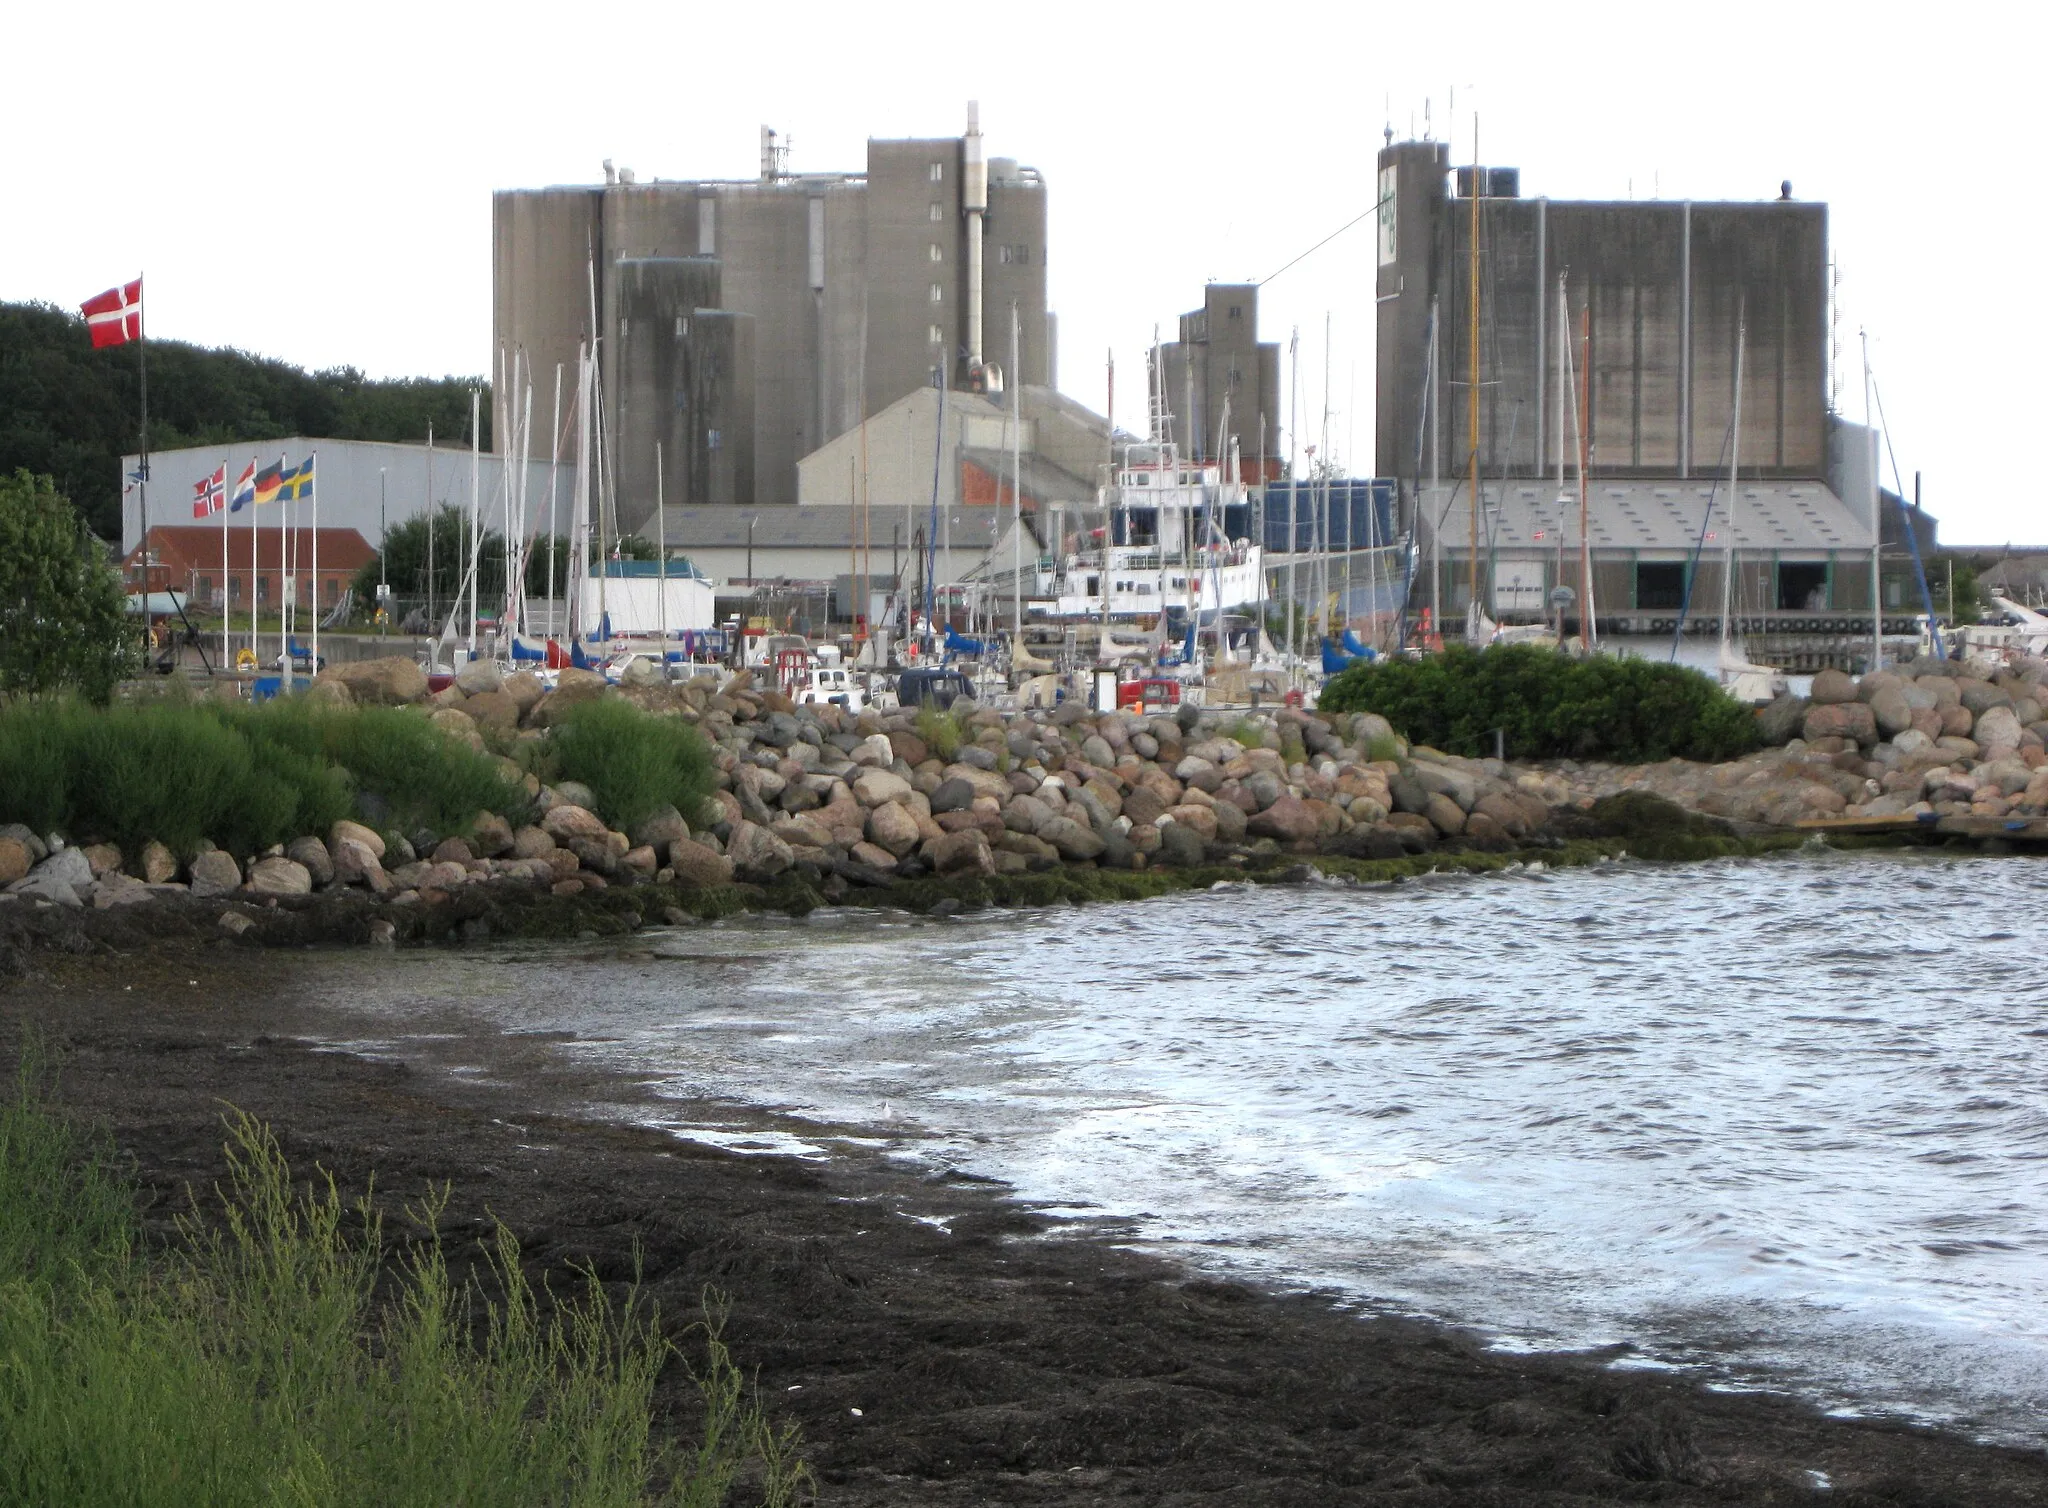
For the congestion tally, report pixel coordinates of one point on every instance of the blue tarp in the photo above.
(1361, 514)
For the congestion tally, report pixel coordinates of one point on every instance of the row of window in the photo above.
(1009, 256)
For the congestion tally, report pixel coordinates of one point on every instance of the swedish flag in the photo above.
(295, 482)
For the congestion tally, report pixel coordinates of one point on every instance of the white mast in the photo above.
(1734, 456)
(578, 583)
(1876, 516)
(554, 465)
(661, 556)
(313, 471)
(1293, 484)
(476, 445)
(1016, 495)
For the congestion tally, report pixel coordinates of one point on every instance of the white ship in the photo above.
(1167, 550)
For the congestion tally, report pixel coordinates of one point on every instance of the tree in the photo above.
(405, 560)
(63, 616)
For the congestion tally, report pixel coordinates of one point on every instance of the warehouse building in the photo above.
(1620, 319)
(795, 303)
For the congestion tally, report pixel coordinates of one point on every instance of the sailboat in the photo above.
(1755, 684)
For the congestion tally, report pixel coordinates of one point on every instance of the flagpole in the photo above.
(284, 648)
(142, 482)
(255, 538)
(226, 658)
(313, 481)
(475, 546)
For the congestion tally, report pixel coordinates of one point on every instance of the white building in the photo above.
(363, 485)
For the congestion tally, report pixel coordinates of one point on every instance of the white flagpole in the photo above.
(226, 658)
(475, 543)
(255, 538)
(284, 617)
(661, 555)
(313, 478)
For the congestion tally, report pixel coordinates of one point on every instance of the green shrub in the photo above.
(633, 762)
(941, 731)
(272, 1355)
(64, 620)
(1548, 705)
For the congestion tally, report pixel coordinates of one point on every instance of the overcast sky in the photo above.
(314, 182)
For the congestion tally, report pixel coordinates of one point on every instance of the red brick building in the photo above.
(186, 558)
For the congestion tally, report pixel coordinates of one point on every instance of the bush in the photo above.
(63, 617)
(274, 1356)
(1548, 705)
(633, 762)
(941, 731)
(243, 777)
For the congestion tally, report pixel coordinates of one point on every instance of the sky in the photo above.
(313, 183)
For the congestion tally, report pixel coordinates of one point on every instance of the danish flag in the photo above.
(210, 493)
(115, 317)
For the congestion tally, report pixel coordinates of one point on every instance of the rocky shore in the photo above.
(815, 805)
(1927, 740)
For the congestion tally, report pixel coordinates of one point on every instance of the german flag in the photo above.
(268, 480)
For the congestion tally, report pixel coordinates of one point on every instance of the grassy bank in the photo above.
(247, 776)
(285, 1350)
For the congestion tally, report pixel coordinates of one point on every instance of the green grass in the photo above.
(635, 763)
(244, 777)
(942, 732)
(271, 1356)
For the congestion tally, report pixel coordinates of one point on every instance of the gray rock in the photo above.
(575, 793)
(217, 873)
(1179, 846)
(1889, 706)
(234, 923)
(68, 866)
(1997, 732)
(38, 850)
(1071, 839)
(43, 886)
(952, 796)
(1096, 750)
(1831, 687)
(1780, 722)
(279, 877)
(1409, 795)
(312, 854)
(479, 676)
(756, 853)
(1265, 787)
(977, 756)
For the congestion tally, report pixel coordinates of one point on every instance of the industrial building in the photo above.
(746, 323)
(1220, 366)
(1620, 319)
(260, 563)
(895, 457)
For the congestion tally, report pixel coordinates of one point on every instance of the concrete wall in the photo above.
(901, 441)
(1662, 286)
(1219, 366)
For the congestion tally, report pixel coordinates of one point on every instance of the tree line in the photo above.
(70, 413)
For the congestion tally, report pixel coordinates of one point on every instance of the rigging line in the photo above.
(1374, 209)
(1699, 545)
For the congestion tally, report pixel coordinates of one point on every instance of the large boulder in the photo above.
(567, 821)
(877, 787)
(664, 827)
(279, 877)
(963, 852)
(216, 872)
(1997, 731)
(388, 682)
(573, 688)
(1981, 696)
(355, 832)
(491, 836)
(1852, 720)
(951, 796)
(1289, 820)
(1074, 840)
(1201, 820)
(756, 853)
(1445, 815)
(891, 827)
(309, 853)
(1780, 722)
(491, 709)
(15, 860)
(1889, 706)
(160, 866)
(478, 676)
(1832, 687)
(524, 687)
(696, 865)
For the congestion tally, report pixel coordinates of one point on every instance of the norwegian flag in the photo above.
(210, 494)
(115, 317)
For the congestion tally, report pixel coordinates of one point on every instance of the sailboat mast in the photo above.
(1589, 631)
(1876, 520)
(554, 468)
(1472, 371)
(661, 556)
(1734, 460)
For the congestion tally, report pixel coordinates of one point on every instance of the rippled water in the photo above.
(1781, 1120)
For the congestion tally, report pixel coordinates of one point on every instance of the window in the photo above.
(713, 439)
(938, 294)
(938, 172)
(1236, 311)
(938, 336)
(937, 255)
(1018, 256)
(1660, 585)
(938, 213)
(202, 589)
(1803, 586)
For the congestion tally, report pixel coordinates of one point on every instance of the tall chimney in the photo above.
(974, 200)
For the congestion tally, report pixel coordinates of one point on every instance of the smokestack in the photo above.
(974, 200)
(768, 163)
